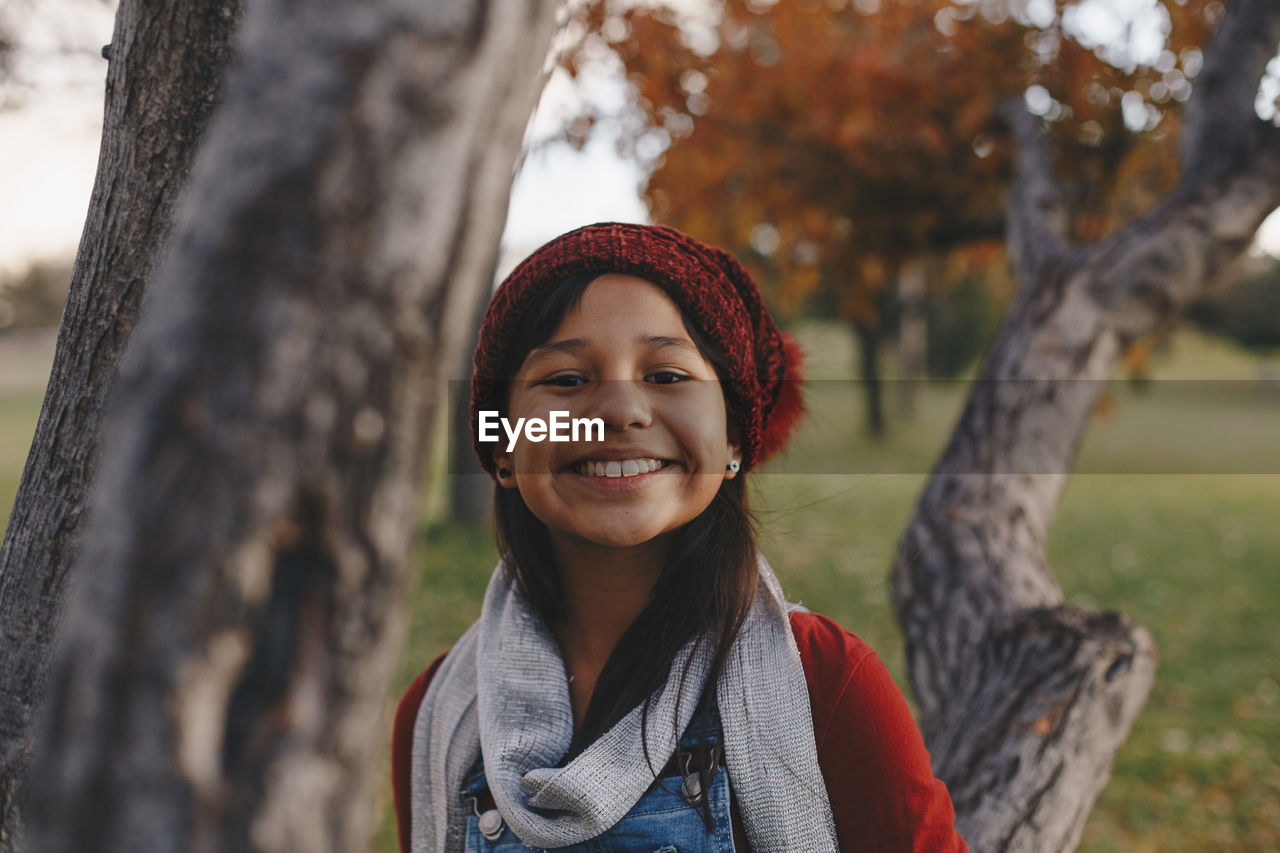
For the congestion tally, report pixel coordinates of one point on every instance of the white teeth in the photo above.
(615, 468)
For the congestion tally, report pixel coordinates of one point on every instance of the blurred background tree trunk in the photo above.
(1024, 698)
(913, 328)
(470, 488)
(166, 66)
(868, 338)
(236, 613)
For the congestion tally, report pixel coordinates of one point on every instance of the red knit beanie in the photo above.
(708, 285)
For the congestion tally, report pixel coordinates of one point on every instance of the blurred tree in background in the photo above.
(1247, 312)
(962, 320)
(6, 50)
(7, 44)
(34, 297)
(49, 49)
(831, 144)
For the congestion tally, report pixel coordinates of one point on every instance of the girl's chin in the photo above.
(601, 530)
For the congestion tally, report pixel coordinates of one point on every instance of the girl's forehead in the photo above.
(616, 302)
(616, 315)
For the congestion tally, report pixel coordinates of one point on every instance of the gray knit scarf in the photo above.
(502, 690)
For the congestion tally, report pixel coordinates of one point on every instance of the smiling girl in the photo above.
(636, 680)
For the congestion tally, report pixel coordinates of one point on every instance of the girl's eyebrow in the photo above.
(665, 342)
(573, 345)
(568, 345)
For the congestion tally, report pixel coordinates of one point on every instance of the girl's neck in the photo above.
(605, 589)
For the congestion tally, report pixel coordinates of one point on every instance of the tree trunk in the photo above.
(912, 333)
(470, 487)
(221, 681)
(163, 79)
(869, 371)
(1025, 699)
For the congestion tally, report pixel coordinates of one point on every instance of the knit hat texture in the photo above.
(715, 292)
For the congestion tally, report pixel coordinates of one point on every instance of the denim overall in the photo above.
(665, 820)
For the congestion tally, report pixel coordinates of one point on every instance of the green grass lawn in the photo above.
(1192, 556)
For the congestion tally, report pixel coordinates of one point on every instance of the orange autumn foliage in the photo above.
(825, 142)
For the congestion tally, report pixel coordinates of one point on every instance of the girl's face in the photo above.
(624, 356)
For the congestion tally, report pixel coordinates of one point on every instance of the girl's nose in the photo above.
(622, 404)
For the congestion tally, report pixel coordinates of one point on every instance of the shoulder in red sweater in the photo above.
(883, 794)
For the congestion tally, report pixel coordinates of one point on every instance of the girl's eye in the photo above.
(665, 377)
(565, 380)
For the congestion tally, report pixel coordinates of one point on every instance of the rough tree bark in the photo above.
(166, 65)
(236, 613)
(1024, 698)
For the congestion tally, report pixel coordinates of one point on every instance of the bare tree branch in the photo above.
(1037, 218)
(1222, 132)
(1149, 271)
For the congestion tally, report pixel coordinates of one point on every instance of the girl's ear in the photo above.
(734, 465)
(734, 462)
(504, 470)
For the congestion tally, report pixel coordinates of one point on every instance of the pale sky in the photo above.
(49, 147)
(557, 188)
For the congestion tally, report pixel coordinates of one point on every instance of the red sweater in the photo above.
(883, 794)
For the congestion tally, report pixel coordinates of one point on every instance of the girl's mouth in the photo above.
(614, 468)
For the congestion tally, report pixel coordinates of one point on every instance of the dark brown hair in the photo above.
(704, 592)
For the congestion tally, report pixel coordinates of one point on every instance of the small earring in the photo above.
(504, 473)
(734, 465)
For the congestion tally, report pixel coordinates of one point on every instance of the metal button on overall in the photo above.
(490, 825)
